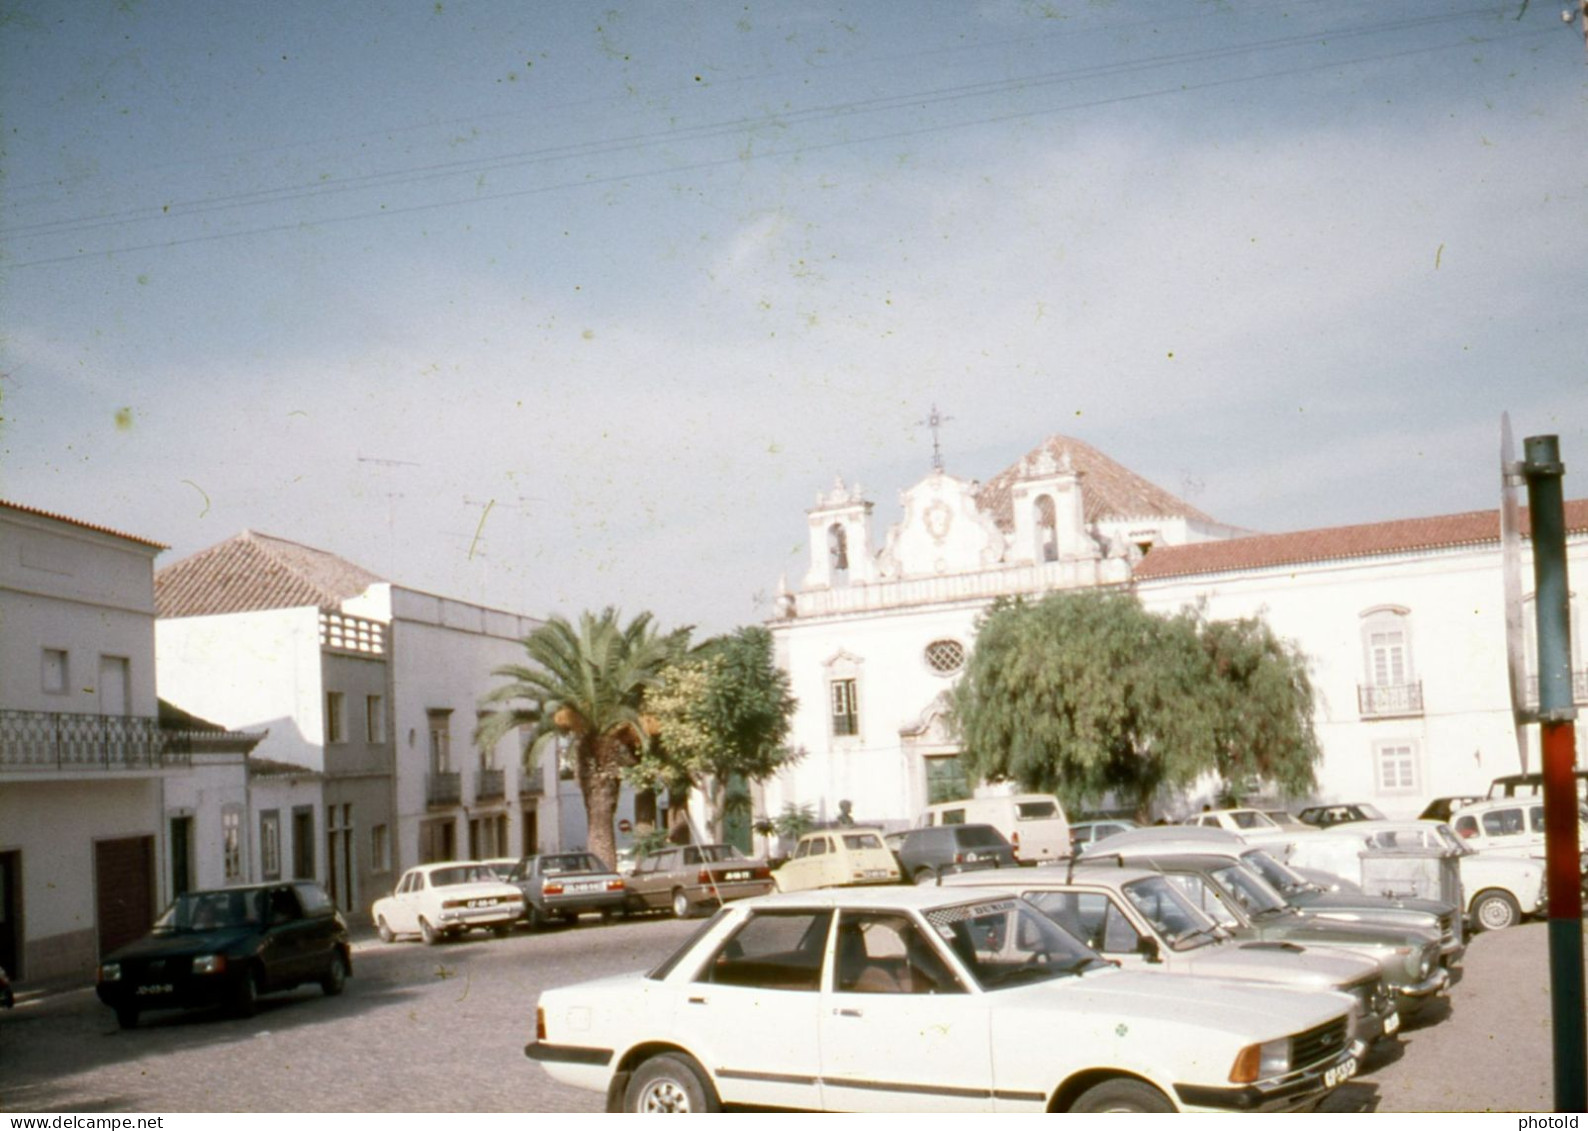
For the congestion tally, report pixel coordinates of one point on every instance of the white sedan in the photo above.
(932, 1000)
(437, 900)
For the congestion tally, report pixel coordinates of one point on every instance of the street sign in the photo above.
(1511, 482)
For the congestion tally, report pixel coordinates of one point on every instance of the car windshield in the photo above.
(1250, 890)
(1284, 881)
(1251, 819)
(209, 910)
(569, 862)
(1008, 942)
(981, 836)
(856, 841)
(461, 874)
(1175, 917)
(711, 854)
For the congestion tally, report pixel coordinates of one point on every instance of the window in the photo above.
(945, 656)
(1047, 529)
(882, 953)
(487, 753)
(270, 844)
(1397, 767)
(57, 677)
(945, 780)
(1390, 685)
(232, 842)
(374, 719)
(303, 842)
(773, 952)
(379, 849)
(846, 708)
(335, 717)
(838, 554)
(440, 740)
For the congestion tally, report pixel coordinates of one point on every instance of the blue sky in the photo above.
(553, 306)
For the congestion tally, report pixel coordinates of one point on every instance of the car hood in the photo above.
(1245, 1011)
(182, 943)
(1282, 962)
(1321, 931)
(1332, 901)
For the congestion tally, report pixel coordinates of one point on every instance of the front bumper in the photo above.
(580, 902)
(1286, 1093)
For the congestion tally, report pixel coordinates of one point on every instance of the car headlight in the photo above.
(209, 964)
(110, 972)
(1258, 1062)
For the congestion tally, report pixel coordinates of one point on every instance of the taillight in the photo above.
(551, 887)
(1014, 842)
(703, 877)
(615, 885)
(959, 858)
(540, 1023)
(762, 873)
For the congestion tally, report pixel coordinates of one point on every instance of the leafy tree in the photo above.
(722, 715)
(1083, 694)
(588, 685)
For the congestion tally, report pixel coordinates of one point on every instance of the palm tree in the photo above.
(586, 684)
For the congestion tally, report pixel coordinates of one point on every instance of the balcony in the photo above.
(531, 782)
(1579, 688)
(443, 788)
(57, 742)
(489, 785)
(1390, 700)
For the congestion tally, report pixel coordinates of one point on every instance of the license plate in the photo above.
(1340, 1073)
(731, 876)
(1392, 1024)
(482, 902)
(875, 873)
(583, 887)
(153, 989)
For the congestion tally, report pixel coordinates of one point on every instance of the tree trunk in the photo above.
(600, 766)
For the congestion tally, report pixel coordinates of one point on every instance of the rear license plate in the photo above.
(1392, 1024)
(153, 989)
(584, 887)
(731, 876)
(482, 902)
(1340, 1073)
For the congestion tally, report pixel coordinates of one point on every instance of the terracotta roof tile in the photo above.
(255, 571)
(84, 525)
(1268, 551)
(1108, 489)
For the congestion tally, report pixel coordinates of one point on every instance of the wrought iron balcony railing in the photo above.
(444, 788)
(1579, 688)
(1392, 700)
(489, 785)
(531, 782)
(60, 740)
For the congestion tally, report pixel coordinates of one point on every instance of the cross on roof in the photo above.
(934, 421)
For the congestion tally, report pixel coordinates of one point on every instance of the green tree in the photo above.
(586, 684)
(1083, 694)
(723, 716)
(1264, 722)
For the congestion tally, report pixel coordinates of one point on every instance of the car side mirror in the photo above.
(1147, 947)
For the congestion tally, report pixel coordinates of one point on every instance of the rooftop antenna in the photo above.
(935, 421)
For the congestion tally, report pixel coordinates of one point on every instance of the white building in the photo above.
(1401, 621)
(82, 756)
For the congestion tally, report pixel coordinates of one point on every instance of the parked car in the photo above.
(501, 865)
(1513, 827)
(1245, 904)
(565, 885)
(831, 858)
(1084, 833)
(1286, 820)
(226, 947)
(1034, 824)
(1323, 816)
(1440, 808)
(692, 876)
(1139, 919)
(1498, 890)
(1254, 825)
(927, 853)
(437, 901)
(1531, 785)
(894, 999)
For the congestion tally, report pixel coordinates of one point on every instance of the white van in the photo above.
(1034, 823)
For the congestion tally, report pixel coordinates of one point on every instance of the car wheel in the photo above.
(534, 919)
(608, 914)
(127, 1016)
(1495, 911)
(428, 933)
(672, 1084)
(924, 876)
(500, 930)
(335, 979)
(386, 933)
(682, 908)
(245, 1001)
(1121, 1095)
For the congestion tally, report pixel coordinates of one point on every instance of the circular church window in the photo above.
(945, 656)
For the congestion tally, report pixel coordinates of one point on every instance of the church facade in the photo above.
(1401, 622)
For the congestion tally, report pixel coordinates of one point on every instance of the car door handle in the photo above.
(697, 1001)
(847, 1013)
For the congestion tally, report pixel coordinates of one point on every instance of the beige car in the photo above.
(835, 858)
